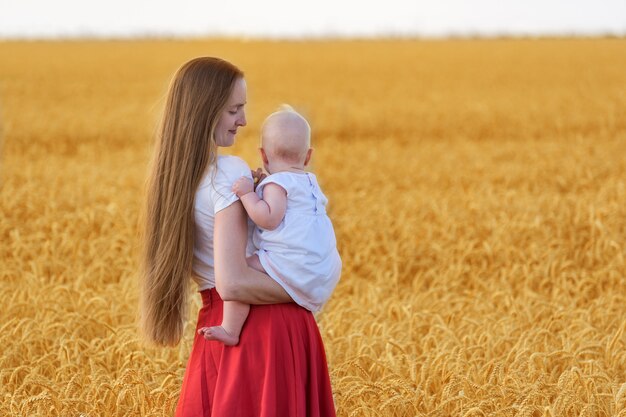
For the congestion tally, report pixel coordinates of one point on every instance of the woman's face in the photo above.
(232, 116)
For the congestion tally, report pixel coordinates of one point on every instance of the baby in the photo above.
(294, 238)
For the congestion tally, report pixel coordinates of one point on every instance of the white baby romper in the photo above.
(301, 253)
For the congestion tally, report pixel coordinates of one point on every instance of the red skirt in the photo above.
(278, 369)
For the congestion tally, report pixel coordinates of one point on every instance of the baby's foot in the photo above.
(221, 335)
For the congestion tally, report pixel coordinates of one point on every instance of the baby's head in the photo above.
(285, 139)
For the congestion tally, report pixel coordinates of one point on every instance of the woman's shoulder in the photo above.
(230, 163)
(223, 173)
(230, 168)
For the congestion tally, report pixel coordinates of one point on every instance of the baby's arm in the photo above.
(268, 212)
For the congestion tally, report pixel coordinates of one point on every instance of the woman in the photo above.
(196, 227)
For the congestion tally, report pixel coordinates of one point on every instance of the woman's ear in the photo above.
(263, 156)
(308, 156)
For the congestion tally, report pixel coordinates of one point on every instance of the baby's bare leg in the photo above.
(255, 263)
(235, 314)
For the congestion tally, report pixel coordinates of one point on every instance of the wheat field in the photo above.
(477, 188)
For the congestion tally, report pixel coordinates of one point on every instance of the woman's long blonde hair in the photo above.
(185, 148)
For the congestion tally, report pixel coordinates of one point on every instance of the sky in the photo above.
(312, 18)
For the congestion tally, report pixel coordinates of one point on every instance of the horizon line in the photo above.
(451, 35)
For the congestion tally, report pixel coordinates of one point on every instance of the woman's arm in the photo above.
(234, 280)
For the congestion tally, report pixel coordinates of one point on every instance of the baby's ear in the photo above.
(308, 156)
(263, 155)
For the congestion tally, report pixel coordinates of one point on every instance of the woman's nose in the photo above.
(242, 120)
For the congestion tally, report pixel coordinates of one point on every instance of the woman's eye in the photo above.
(232, 112)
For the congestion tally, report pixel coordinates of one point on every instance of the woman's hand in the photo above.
(243, 186)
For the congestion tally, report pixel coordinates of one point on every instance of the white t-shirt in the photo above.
(214, 194)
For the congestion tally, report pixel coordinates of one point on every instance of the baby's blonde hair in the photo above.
(286, 134)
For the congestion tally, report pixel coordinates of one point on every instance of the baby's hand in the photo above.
(243, 186)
